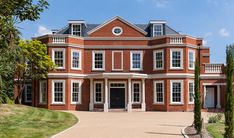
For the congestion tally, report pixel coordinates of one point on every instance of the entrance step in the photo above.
(117, 110)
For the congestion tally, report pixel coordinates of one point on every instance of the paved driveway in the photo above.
(128, 125)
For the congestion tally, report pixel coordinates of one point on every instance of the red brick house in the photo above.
(121, 65)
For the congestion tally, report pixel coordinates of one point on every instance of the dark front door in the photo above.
(117, 98)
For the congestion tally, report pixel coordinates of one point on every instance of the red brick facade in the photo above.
(117, 68)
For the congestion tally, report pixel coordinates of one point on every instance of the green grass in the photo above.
(18, 121)
(216, 129)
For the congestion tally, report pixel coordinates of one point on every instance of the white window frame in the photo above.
(93, 60)
(140, 91)
(182, 91)
(163, 90)
(40, 92)
(64, 54)
(154, 60)
(76, 31)
(80, 56)
(95, 82)
(64, 96)
(141, 60)
(80, 90)
(158, 31)
(25, 93)
(191, 81)
(193, 52)
(181, 58)
(117, 34)
(113, 60)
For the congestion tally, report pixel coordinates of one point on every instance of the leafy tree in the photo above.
(197, 100)
(34, 63)
(229, 92)
(13, 12)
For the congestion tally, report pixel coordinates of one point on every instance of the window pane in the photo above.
(176, 59)
(28, 93)
(58, 91)
(136, 60)
(75, 59)
(158, 30)
(159, 92)
(191, 60)
(158, 60)
(76, 29)
(176, 92)
(43, 92)
(136, 92)
(191, 92)
(75, 92)
(58, 58)
(98, 92)
(98, 60)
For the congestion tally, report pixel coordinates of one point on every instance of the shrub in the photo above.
(216, 118)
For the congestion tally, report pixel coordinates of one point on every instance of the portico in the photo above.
(118, 91)
(209, 91)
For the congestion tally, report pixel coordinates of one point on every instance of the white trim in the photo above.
(80, 56)
(64, 56)
(193, 52)
(125, 91)
(40, 91)
(117, 27)
(154, 28)
(191, 81)
(93, 60)
(113, 60)
(25, 93)
(140, 92)
(94, 92)
(141, 60)
(154, 92)
(182, 92)
(154, 60)
(121, 19)
(64, 96)
(181, 58)
(80, 91)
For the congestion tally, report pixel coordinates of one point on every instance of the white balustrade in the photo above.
(213, 68)
(58, 40)
(176, 40)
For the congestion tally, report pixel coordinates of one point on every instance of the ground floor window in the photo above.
(58, 92)
(28, 93)
(98, 92)
(136, 92)
(176, 91)
(191, 92)
(76, 91)
(43, 92)
(159, 92)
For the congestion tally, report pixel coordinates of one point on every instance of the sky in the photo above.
(213, 20)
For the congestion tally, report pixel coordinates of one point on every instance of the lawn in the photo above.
(216, 129)
(24, 121)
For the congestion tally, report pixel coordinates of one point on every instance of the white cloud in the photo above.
(224, 32)
(42, 30)
(160, 3)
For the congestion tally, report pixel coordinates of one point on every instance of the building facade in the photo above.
(121, 65)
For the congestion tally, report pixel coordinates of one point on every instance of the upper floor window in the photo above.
(177, 91)
(98, 60)
(191, 59)
(191, 91)
(158, 59)
(43, 92)
(176, 59)
(76, 29)
(157, 30)
(58, 91)
(28, 93)
(75, 91)
(58, 56)
(76, 59)
(136, 60)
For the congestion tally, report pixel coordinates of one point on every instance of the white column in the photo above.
(106, 96)
(204, 98)
(129, 95)
(218, 97)
(143, 95)
(91, 95)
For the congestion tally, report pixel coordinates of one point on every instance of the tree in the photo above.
(34, 63)
(13, 12)
(229, 92)
(197, 100)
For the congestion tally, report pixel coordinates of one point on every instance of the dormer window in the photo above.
(157, 30)
(76, 29)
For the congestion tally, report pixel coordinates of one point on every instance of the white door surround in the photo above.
(210, 97)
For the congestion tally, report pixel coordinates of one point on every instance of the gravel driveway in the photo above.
(128, 125)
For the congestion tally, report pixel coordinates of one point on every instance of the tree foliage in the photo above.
(229, 92)
(197, 100)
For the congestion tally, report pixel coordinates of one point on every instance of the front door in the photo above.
(117, 97)
(210, 98)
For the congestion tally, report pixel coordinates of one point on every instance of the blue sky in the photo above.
(211, 19)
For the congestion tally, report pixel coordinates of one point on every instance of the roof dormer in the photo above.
(157, 27)
(76, 27)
